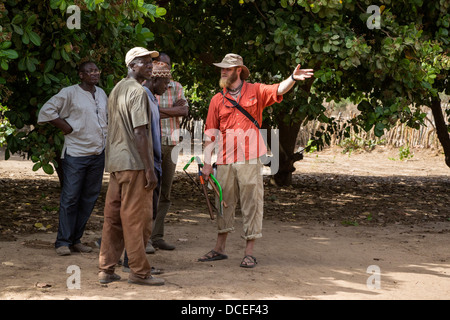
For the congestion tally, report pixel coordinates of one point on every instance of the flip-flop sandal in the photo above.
(213, 256)
(248, 262)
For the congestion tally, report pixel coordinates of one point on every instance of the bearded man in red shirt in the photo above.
(232, 125)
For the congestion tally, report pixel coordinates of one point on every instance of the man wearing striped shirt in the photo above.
(173, 105)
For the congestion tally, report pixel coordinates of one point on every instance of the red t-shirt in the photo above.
(239, 138)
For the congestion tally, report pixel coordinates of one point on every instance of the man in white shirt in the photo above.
(80, 111)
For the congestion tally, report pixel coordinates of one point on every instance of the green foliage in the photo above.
(356, 143)
(5, 127)
(39, 55)
(310, 148)
(404, 153)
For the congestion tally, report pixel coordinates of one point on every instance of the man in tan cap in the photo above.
(129, 160)
(233, 123)
(157, 84)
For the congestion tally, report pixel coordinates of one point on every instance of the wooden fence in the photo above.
(398, 136)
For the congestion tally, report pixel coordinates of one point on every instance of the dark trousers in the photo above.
(169, 166)
(81, 187)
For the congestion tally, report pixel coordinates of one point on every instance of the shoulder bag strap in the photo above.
(248, 115)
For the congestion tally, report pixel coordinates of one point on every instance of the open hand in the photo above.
(302, 74)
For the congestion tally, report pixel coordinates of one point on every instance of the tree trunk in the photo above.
(287, 157)
(441, 128)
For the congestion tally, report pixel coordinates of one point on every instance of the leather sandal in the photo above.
(213, 256)
(248, 262)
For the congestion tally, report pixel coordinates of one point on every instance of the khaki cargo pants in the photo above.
(243, 182)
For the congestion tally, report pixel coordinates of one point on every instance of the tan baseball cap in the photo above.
(232, 60)
(139, 52)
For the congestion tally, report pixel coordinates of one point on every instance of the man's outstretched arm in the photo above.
(298, 74)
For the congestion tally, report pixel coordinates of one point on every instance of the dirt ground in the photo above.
(361, 226)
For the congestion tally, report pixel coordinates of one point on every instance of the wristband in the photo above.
(292, 77)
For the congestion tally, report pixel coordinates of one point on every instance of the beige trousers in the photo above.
(242, 182)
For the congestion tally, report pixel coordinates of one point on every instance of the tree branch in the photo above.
(259, 11)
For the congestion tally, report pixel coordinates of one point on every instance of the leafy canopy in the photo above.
(39, 54)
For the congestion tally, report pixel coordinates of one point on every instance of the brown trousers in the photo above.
(127, 222)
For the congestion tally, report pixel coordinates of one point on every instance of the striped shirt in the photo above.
(168, 125)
